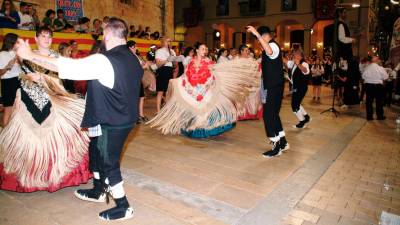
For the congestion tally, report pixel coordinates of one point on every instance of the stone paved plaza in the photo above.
(341, 170)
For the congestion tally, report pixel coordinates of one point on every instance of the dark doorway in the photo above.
(328, 36)
(297, 37)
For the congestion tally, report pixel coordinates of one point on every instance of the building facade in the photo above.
(305, 23)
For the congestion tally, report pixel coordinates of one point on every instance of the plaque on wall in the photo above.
(325, 9)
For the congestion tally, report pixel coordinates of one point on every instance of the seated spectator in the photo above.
(75, 52)
(48, 21)
(155, 35)
(26, 20)
(139, 31)
(60, 22)
(132, 32)
(35, 19)
(83, 25)
(9, 17)
(145, 34)
(97, 29)
(105, 21)
(69, 28)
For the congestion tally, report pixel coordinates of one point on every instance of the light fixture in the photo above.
(355, 5)
(217, 34)
(320, 44)
(311, 31)
(287, 44)
(222, 45)
(387, 7)
(395, 2)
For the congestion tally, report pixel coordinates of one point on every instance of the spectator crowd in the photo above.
(26, 18)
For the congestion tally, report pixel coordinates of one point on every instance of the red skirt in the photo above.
(77, 176)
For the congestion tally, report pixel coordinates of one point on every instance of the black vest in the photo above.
(300, 80)
(117, 106)
(344, 50)
(272, 70)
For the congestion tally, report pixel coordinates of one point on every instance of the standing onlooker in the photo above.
(328, 72)
(374, 76)
(9, 72)
(317, 70)
(363, 64)
(60, 22)
(9, 17)
(26, 20)
(165, 69)
(341, 79)
(132, 47)
(48, 21)
(389, 84)
(222, 55)
(35, 19)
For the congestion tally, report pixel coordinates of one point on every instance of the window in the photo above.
(128, 2)
(223, 8)
(252, 7)
(289, 5)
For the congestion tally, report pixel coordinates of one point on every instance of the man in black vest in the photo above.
(344, 40)
(299, 70)
(110, 113)
(273, 85)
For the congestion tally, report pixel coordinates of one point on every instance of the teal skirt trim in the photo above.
(205, 133)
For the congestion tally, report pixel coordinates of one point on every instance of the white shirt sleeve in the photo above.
(342, 35)
(94, 67)
(275, 51)
(383, 73)
(186, 61)
(290, 64)
(307, 67)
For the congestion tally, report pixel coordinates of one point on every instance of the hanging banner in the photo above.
(73, 9)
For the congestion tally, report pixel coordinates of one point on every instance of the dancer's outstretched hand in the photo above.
(23, 49)
(252, 30)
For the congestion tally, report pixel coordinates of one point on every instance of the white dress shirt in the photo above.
(291, 65)
(25, 18)
(374, 74)
(5, 58)
(163, 54)
(342, 35)
(94, 67)
(275, 51)
(222, 59)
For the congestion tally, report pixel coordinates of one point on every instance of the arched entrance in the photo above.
(322, 36)
(289, 34)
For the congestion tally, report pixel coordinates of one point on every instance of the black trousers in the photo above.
(389, 87)
(374, 92)
(105, 152)
(271, 109)
(297, 97)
